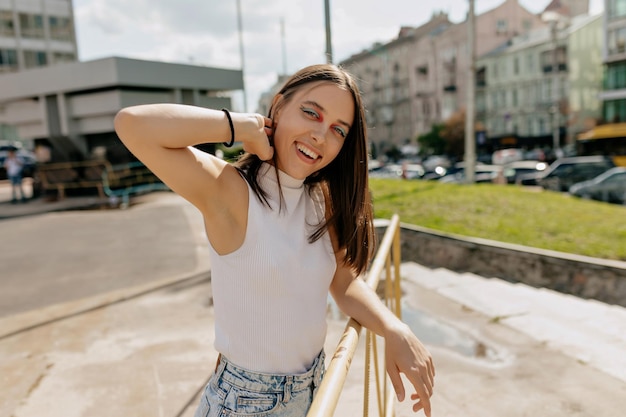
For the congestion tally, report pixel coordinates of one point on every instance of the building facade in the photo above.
(419, 78)
(70, 108)
(614, 95)
(35, 33)
(541, 86)
(585, 79)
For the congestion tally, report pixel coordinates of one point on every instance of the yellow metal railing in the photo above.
(387, 259)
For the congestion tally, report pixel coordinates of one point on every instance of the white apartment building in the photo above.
(70, 107)
(516, 98)
(35, 33)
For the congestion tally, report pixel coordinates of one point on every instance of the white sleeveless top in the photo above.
(270, 295)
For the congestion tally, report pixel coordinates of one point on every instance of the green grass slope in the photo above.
(505, 213)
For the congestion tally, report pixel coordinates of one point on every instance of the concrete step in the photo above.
(588, 330)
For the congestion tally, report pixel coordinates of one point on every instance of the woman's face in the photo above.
(311, 127)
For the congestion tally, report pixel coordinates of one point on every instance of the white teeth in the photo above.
(307, 152)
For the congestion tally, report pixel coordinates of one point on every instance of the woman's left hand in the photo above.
(405, 354)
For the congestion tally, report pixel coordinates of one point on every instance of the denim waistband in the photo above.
(262, 382)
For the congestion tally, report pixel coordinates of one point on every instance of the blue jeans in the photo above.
(233, 391)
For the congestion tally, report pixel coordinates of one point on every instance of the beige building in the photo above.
(35, 33)
(419, 78)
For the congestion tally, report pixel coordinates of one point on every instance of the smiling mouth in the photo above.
(307, 152)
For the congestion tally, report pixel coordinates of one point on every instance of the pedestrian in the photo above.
(288, 222)
(14, 167)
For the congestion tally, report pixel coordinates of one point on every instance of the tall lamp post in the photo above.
(470, 136)
(329, 44)
(553, 19)
(241, 55)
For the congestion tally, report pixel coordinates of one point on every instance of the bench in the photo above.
(62, 176)
(117, 182)
(124, 180)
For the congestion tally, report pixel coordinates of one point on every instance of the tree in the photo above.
(453, 134)
(432, 143)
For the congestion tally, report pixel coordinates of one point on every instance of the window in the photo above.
(527, 24)
(530, 62)
(501, 26)
(615, 76)
(516, 65)
(8, 59)
(60, 28)
(60, 57)
(35, 59)
(31, 25)
(6, 24)
(547, 59)
(616, 9)
(616, 42)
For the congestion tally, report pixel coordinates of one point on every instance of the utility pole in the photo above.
(555, 88)
(329, 45)
(284, 48)
(470, 135)
(241, 55)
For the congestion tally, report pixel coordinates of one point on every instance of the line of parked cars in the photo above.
(589, 177)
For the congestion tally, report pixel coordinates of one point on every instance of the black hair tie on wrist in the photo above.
(232, 129)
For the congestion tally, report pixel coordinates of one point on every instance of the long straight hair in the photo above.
(344, 181)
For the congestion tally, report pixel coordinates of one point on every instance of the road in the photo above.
(116, 318)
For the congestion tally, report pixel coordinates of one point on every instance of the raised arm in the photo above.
(162, 136)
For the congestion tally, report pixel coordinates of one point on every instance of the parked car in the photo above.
(28, 159)
(565, 172)
(386, 171)
(412, 171)
(514, 171)
(482, 173)
(609, 186)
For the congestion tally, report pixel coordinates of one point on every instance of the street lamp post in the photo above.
(241, 55)
(555, 87)
(554, 19)
(329, 44)
(470, 140)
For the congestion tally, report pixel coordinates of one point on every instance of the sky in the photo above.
(205, 32)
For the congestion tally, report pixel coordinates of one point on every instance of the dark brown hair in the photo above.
(344, 181)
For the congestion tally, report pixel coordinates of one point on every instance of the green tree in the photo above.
(432, 143)
(453, 135)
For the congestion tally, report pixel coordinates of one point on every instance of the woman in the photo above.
(288, 222)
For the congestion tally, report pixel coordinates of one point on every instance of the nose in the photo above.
(319, 133)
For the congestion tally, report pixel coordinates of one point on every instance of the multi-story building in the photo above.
(383, 74)
(585, 45)
(35, 33)
(419, 78)
(614, 95)
(70, 108)
(523, 94)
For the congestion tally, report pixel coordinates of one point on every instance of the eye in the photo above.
(310, 112)
(341, 131)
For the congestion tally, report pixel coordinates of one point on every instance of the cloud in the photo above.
(205, 32)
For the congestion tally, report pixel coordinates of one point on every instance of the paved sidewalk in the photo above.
(145, 349)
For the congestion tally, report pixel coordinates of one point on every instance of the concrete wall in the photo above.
(586, 277)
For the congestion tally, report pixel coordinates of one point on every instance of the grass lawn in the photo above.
(506, 213)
